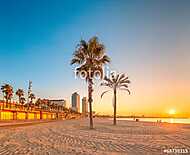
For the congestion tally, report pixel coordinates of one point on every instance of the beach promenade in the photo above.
(74, 137)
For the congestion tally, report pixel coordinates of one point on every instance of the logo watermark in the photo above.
(176, 151)
(94, 74)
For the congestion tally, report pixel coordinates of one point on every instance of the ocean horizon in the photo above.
(163, 120)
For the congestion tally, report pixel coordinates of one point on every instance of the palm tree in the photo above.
(90, 57)
(20, 94)
(31, 97)
(22, 101)
(7, 92)
(49, 105)
(38, 102)
(116, 82)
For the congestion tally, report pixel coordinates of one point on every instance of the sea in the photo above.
(168, 120)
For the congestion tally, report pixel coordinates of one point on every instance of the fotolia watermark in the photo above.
(94, 74)
(176, 151)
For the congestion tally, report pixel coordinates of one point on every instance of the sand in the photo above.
(74, 137)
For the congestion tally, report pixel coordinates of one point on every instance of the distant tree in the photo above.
(38, 102)
(49, 105)
(53, 106)
(116, 82)
(7, 93)
(31, 97)
(45, 104)
(20, 94)
(22, 100)
(90, 57)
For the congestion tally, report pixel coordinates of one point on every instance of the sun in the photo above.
(172, 111)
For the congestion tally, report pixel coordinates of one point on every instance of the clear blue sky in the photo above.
(149, 40)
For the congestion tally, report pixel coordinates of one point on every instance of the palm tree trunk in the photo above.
(7, 102)
(90, 100)
(3, 101)
(19, 99)
(114, 119)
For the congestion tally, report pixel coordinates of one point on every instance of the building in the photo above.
(84, 106)
(75, 102)
(60, 102)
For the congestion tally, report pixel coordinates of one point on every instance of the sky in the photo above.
(147, 40)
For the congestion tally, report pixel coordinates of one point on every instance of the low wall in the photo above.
(36, 115)
(22, 115)
(14, 112)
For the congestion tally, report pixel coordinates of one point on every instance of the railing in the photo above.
(19, 107)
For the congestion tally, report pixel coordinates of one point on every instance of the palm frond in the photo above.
(104, 59)
(113, 77)
(83, 44)
(90, 57)
(104, 93)
(126, 90)
(121, 77)
(107, 79)
(124, 79)
(106, 84)
(75, 61)
(99, 51)
(125, 82)
(123, 85)
(116, 78)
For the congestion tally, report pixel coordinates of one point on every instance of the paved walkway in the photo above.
(17, 123)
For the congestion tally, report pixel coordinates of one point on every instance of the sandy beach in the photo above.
(74, 137)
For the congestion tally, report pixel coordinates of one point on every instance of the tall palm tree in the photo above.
(7, 92)
(90, 57)
(116, 82)
(20, 94)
